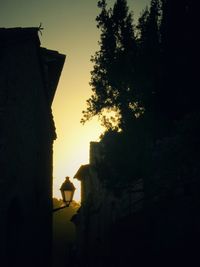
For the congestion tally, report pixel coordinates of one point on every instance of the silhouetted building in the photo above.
(101, 210)
(127, 227)
(29, 75)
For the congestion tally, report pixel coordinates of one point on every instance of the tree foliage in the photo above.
(144, 67)
(146, 75)
(112, 75)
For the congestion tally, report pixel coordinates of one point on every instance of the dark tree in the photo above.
(147, 76)
(112, 76)
(179, 39)
(148, 67)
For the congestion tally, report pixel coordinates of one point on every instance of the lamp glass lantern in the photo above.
(67, 191)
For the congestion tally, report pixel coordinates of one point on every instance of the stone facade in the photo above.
(29, 76)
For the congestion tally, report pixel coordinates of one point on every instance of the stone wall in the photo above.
(26, 140)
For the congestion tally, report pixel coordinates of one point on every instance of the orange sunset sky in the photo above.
(70, 28)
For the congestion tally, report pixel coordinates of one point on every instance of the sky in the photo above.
(69, 28)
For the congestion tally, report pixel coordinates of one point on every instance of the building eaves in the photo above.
(53, 63)
(82, 172)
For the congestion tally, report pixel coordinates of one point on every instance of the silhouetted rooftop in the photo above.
(11, 35)
(82, 172)
(55, 61)
(51, 60)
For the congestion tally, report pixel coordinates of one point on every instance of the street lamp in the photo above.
(67, 191)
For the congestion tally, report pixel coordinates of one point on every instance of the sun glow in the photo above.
(71, 148)
(72, 151)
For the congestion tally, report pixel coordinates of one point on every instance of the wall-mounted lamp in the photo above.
(67, 191)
